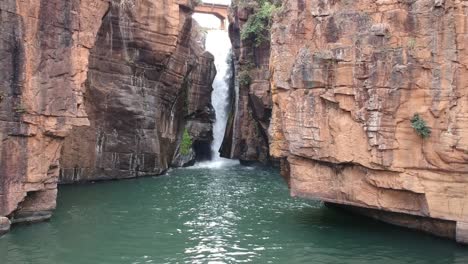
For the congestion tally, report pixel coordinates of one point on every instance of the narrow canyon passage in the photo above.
(213, 212)
(234, 131)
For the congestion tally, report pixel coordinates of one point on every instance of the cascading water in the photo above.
(219, 44)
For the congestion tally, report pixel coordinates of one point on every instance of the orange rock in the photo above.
(108, 81)
(44, 47)
(344, 91)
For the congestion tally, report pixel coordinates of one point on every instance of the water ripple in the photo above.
(206, 215)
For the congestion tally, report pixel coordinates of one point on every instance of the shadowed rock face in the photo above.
(44, 50)
(149, 78)
(347, 78)
(246, 132)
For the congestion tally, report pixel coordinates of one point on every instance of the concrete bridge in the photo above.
(218, 10)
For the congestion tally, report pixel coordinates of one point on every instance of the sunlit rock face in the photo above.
(114, 82)
(44, 51)
(347, 77)
(247, 129)
(149, 78)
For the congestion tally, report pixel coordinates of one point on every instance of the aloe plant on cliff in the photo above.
(420, 126)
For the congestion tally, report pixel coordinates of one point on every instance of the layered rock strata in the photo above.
(347, 78)
(44, 50)
(116, 82)
(247, 129)
(148, 76)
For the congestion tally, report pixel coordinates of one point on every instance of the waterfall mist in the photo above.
(219, 44)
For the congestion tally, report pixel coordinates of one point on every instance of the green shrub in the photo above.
(186, 144)
(420, 126)
(258, 25)
(244, 78)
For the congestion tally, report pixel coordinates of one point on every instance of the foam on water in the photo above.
(215, 164)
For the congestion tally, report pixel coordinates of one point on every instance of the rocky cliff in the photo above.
(116, 81)
(44, 50)
(247, 129)
(148, 76)
(348, 78)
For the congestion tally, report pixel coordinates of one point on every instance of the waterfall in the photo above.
(219, 44)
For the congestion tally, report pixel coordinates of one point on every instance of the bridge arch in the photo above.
(218, 10)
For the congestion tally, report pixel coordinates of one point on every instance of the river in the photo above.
(230, 214)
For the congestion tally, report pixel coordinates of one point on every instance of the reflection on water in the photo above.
(229, 214)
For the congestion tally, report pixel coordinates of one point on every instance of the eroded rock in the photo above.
(117, 81)
(149, 76)
(348, 76)
(44, 50)
(246, 133)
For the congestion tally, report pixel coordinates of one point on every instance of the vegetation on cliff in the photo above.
(244, 78)
(186, 143)
(420, 126)
(259, 23)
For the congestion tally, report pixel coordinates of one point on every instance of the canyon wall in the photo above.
(347, 78)
(44, 50)
(247, 129)
(116, 83)
(148, 76)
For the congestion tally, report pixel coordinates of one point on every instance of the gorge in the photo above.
(362, 105)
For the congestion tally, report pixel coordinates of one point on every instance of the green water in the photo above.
(212, 215)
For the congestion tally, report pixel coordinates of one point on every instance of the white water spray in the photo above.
(219, 44)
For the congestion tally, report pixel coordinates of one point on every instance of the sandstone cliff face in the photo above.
(347, 78)
(247, 129)
(148, 75)
(116, 82)
(44, 50)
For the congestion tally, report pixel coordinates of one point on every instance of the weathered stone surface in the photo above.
(462, 232)
(181, 160)
(347, 77)
(44, 50)
(148, 75)
(4, 225)
(246, 136)
(442, 228)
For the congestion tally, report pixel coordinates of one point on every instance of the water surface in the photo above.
(227, 214)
